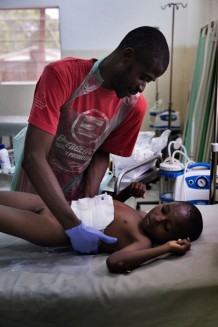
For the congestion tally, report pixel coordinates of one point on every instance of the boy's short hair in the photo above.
(195, 219)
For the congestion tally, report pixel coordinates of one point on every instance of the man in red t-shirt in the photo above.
(82, 111)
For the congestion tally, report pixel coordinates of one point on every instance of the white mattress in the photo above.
(55, 287)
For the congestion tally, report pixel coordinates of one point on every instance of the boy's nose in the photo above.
(160, 218)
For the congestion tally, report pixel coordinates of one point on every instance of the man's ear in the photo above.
(128, 55)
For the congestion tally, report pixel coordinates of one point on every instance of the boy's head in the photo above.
(172, 221)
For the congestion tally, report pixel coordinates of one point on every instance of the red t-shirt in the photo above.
(94, 118)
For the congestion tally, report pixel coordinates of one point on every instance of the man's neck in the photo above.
(107, 70)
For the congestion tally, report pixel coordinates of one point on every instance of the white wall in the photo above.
(95, 27)
(100, 24)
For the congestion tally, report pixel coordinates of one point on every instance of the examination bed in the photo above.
(56, 287)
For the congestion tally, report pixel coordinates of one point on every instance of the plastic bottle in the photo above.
(4, 160)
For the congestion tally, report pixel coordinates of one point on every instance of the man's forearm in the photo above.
(95, 172)
(47, 186)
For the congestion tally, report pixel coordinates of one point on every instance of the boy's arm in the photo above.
(136, 189)
(134, 255)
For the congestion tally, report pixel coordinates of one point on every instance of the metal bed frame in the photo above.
(151, 173)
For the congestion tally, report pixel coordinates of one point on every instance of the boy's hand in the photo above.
(180, 246)
(137, 189)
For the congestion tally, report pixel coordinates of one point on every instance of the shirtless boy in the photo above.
(170, 227)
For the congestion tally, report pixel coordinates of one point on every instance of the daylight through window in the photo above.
(29, 40)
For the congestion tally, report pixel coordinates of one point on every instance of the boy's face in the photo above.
(166, 222)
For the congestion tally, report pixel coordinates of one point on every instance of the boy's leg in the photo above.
(17, 218)
(21, 200)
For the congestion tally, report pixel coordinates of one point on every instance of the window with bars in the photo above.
(29, 40)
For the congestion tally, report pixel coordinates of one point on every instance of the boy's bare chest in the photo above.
(125, 227)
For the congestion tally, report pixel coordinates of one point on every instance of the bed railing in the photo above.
(151, 172)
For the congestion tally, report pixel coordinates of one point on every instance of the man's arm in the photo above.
(37, 146)
(95, 172)
(134, 255)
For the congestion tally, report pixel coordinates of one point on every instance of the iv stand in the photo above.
(174, 6)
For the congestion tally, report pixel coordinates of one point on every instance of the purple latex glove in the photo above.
(86, 239)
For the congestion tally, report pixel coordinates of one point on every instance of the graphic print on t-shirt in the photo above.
(40, 100)
(89, 126)
(78, 136)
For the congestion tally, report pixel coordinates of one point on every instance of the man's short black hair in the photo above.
(150, 41)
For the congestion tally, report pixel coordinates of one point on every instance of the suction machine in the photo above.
(184, 180)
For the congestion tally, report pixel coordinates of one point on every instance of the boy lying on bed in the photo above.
(171, 227)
